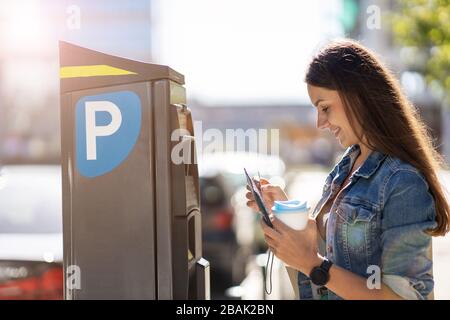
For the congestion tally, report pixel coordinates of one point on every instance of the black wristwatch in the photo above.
(320, 275)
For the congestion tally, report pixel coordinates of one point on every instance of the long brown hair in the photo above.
(388, 121)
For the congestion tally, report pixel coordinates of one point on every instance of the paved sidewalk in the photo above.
(441, 270)
(441, 255)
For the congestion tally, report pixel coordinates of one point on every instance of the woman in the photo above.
(369, 236)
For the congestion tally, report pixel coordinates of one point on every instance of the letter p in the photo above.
(93, 131)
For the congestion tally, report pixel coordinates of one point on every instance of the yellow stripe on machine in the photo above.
(92, 71)
(177, 93)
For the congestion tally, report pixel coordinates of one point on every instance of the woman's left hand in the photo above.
(296, 248)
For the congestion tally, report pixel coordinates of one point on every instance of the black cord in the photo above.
(270, 273)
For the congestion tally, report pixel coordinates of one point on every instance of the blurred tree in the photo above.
(424, 27)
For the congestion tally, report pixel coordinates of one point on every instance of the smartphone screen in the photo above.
(259, 200)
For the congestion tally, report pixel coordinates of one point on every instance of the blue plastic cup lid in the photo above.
(289, 206)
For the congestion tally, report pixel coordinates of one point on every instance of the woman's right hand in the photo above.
(270, 193)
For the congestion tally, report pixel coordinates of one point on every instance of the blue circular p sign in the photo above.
(107, 127)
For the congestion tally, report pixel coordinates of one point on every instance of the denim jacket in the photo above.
(377, 224)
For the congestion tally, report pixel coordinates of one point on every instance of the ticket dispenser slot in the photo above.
(176, 174)
(187, 218)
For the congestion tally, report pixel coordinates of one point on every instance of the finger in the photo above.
(311, 222)
(264, 181)
(280, 226)
(249, 196)
(268, 187)
(268, 231)
(252, 204)
(260, 182)
(270, 242)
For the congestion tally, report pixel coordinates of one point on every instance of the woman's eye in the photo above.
(325, 109)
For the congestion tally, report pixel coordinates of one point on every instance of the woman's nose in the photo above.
(321, 122)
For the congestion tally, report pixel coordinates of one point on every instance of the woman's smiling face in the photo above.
(331, 115)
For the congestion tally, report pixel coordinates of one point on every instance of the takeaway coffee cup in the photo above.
(294, 213)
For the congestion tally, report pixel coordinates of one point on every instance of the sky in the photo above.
(251, 52)
(116, 26)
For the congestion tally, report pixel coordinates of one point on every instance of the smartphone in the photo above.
(259, 199)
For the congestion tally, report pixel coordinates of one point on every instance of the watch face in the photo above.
(319, 276)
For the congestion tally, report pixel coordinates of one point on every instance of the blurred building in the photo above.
(300, 142)
(29, 98)
(29, 68)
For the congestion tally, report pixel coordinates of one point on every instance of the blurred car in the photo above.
(219, 238)
(31, 242)
(225, 240)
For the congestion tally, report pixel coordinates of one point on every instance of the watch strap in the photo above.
(326, 265)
